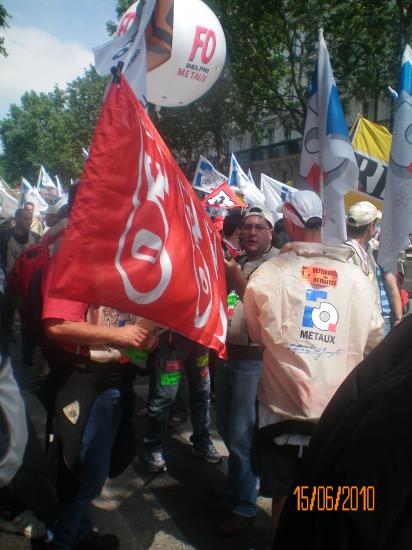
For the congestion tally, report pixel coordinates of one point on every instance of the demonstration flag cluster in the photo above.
(28, 193)
(46, 192)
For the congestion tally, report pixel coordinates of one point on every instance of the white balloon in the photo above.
(198, 55)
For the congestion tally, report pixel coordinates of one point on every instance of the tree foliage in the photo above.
(3, 24)
(51, 129)
(272, 46)
(271, 55)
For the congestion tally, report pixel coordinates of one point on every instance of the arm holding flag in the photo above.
(84, 333)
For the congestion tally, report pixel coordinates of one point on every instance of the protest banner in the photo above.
(138, 239)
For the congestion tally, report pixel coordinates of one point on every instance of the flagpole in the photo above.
(321, 197)
(321, 179)
(354, 126)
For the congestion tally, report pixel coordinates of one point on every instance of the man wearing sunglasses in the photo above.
(237, 378)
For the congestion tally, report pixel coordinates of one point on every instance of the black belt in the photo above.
(251, 353)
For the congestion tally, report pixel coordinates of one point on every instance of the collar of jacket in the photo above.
(341, 253)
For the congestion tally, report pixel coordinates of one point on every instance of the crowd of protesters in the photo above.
(302, 316)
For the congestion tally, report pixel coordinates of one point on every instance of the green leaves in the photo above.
(51, 129)
(3, 24)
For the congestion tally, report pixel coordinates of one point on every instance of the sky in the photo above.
(49, 42)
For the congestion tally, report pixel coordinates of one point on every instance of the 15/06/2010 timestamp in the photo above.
(328, 498)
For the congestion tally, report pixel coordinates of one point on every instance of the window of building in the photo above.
(270, 134)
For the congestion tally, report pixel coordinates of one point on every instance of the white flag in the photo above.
(275, 194)
(327, 149)
(8, 203)
(397, 213)
(129, 48)
(44, 180)
(31, 194)
(238, 179)
(59, 186)
(10, 190)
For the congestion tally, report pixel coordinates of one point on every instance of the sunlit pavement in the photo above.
(172, 510)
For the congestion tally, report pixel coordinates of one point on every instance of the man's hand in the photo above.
(132, 335)
(235, 278)
(83, 333)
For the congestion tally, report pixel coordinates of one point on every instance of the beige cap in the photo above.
(259, 211)
(361, 214)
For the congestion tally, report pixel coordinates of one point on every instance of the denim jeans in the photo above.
(387, 327)
(236, 385)
(173, 354)
(74, 522)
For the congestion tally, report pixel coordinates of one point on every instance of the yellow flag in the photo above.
(372, 144)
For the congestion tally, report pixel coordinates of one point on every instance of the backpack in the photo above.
(29, 261)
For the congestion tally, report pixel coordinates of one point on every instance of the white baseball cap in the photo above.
(361, 214)
(303, 208)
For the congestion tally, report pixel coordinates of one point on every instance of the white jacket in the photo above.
(315, 316)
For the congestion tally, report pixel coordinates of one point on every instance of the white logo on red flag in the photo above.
(138, 239)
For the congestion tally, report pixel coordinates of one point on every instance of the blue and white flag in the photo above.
(31, 194)
(206, 177)
(129, 48)
(85, 153)
(238, 180)
(275, 194)
(328, 164)
(397, 213)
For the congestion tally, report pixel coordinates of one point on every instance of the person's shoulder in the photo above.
(267, 271)
(271, 253)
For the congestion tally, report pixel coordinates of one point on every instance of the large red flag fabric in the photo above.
(223, 196)
(138, 239)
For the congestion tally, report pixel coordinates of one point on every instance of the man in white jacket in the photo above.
(315, 316)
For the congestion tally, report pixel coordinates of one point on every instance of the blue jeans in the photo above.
(173, 354)
(387, 327)
(74, 522)
(236, 386)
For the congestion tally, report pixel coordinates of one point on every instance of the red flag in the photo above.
(138, 239)
(223, 196)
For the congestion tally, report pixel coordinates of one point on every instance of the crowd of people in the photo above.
(302, 316)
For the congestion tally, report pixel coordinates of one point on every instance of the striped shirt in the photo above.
(385, 304)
